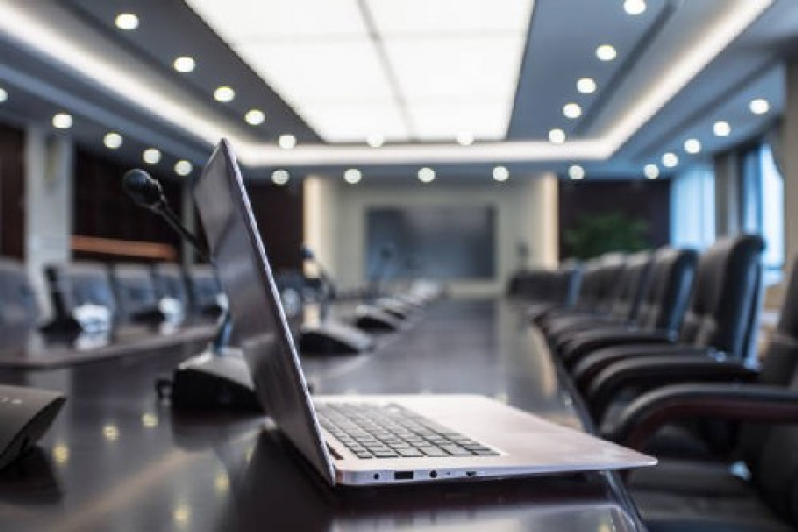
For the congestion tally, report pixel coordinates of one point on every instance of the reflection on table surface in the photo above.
(118, 459)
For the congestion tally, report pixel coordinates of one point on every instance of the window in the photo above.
(772, 215)
(693, 208)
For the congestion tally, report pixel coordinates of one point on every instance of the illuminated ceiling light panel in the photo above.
(255, 117)
(586, 85)
(3, 95)
(151, 156)
(635, 7)
(556, 136)
(280, 177)
(375, 140)
(224, 94)
(353, 176)
(362, 120)
(444, 122)
(692, 146)
(402, 17)
(426, 175)
(606, 52)
(62, 121)
(501, 173)
(112, 140)
(286, 142)
(184, 64)
(670, 160)
(721, 128)
(183, 168)
(576, 172)
(465, 138)
(127, 21)
(651, 171)
(759, 106)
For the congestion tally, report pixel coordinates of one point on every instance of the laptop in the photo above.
(377, 439)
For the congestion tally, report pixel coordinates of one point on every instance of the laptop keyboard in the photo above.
(392, 431)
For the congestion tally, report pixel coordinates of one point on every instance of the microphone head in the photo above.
(143, 189)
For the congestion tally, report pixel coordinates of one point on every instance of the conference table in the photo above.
(120, 459)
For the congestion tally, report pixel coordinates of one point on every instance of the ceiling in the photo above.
(460, 87)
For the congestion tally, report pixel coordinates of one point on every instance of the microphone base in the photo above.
(333, 338)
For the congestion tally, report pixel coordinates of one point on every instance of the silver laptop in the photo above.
(370, 440)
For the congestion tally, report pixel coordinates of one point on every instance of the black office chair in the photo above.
(76, 285)
(722, 313)
(19, 308)
(136, 298)
(205, 291)
(752, 488)
(170, 283)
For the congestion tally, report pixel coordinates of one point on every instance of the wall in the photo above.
(526, 207)
(12, 192)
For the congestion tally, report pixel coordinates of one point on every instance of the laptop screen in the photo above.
(259, 324)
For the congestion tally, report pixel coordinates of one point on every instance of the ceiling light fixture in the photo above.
(426, 175)
(280, 177)
(606, 52)
(576, 172)
(183, 168)
(670, 159)
(692, 146)
(62, 121)
(184, 64)
(721, 128)
(112, 140)
(3, 95)
(353, 176)
(464, 138)
(151, 156)
(556, 136)
(255, 117)
(651, 171)
(635, 7)
(501, 173)
(375, 140)
(759, 106)
(586, 85)
(572, 110)
(127, 21)
(224, 94)
(286, 142)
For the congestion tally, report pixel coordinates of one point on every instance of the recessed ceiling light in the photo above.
(586, 85)
(425, 175)
(112, 140)
(635, 7)
(576, 172)
(572, 110)
(651, 171)
(353, 176)
(464, 138)
(286, 142)
(721, 128)
(62, 121)
(606, 52)
(184, 64)
(280, 177)
(500, 173)
(224, 94)
(151, 156)
(557, 136)
(3, 95)
(127, 21)
(692, 146)
(759, 106)
(183, 168)
(375, 140)
(255, 117)
(669, 160)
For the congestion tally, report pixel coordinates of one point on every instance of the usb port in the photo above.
(403, 475)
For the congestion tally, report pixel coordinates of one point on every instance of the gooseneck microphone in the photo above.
(148, 193)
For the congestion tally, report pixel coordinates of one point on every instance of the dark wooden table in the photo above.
(118, 460)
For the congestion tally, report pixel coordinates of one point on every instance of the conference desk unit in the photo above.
(118, 459)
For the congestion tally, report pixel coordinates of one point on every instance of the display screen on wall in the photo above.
(434, 242)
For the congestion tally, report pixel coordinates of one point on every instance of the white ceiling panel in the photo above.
(354, 123)
(393, 17)
(269, 20)
(484, 120)
(456, 68)
(307, 73)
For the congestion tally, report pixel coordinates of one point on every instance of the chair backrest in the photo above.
(170, 281)
(727, 286)
(18, 305)
(80, 283)
(631, 284)
(134, 291)
(204, 290)
(771, 452)
(665, 301)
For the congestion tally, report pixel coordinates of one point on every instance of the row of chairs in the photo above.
(127, 292)
(720, 419)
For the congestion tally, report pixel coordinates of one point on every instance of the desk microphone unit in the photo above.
(330, 337)
(218, 377)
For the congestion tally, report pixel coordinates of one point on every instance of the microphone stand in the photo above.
(217, 377)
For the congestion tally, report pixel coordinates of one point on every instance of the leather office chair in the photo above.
(662, 307)
(136, 299)
(752, 488)
(723, 310)
(170, 282)
(632, 283)
(205, 292)
(19, 308)
(559, 289)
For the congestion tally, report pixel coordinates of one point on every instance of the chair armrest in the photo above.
(739, 402)
(590, 341)
(656, 371)
(585, 372)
